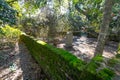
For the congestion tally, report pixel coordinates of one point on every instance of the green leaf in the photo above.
(75, 1)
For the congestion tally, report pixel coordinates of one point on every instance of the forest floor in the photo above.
(17, 64)
(84, 48)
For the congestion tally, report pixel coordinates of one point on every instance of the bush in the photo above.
(9, 33)
(8, 36)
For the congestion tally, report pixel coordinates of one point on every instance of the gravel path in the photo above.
(17, 64)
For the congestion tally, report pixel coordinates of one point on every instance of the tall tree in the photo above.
(104, 27)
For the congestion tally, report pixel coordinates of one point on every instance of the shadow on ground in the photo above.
(17, 64)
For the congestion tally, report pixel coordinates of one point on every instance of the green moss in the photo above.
(106, 74)
(117, 55)
(98, 58)
(92, 70)
(112, 62)
(94, 64)
(118, 51)
(86, 75)
(59, 64)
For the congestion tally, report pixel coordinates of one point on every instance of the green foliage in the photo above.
(94, 64)
(76, 21)
(14, 4)
(91, 9)
(95, 71)
(29, 7)
(116, 8)
(98, 58)
(75, 1)
(32, 5)
(7, 14)
(115, 23)
(9, 33)
(93, 12)
(112, 62)
(106, 74)
(40, 3)
(59, 64)
(117, 55)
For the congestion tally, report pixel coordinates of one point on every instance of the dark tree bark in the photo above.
(104, 29)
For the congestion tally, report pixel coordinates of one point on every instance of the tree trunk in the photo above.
(104, 29)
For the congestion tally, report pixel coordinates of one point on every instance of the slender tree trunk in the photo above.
(104, 29)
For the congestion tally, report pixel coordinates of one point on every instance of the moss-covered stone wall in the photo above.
(59, 64)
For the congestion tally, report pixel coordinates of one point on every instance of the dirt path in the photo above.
(17, 64)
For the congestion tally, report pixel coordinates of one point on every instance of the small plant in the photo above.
(10, 33)
(8, 36)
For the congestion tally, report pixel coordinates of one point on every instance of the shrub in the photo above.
(10, 33)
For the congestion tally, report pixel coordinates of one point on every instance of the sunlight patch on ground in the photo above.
(84, 47)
